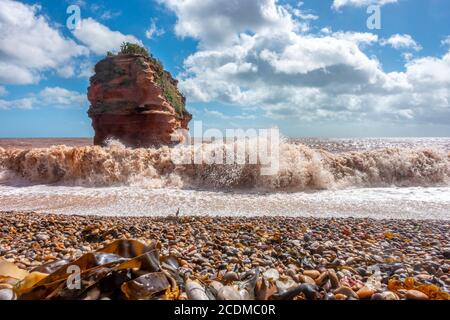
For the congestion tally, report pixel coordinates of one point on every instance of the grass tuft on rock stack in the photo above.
(163, 78)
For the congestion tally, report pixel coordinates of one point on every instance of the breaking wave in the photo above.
(300, 168)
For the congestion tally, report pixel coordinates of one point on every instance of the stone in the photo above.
(389, 295)
(228, 293)
(42, 237)
(335, 283)
(340, 296)
(377, 296)
(322, 279)
(347, 291)
(7, 294)
(136, 102)
(231, 276)
(314, 274)
(285, 285)
(416, 295)
(329, 296)
(365, 293)
(271, 274)
(446, 253)
(307, 279)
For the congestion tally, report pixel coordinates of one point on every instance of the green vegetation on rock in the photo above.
(132, 48)
(163, 78)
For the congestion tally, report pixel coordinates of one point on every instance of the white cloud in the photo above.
(359, 38)
(67, 71)
(290, 74)
(300, 13)
(61, 98)
(102, 12)
(108, 15)
(86, 69)
(11, 73)
(446, 41)
(3, 91)
(81, 3)
(29, 45)
(99, 38)
(407, 56)
(221, 21)
(221, 115)
(54, 97)
(401, 41)
(153, 30)
(337, 4)
(25, 103)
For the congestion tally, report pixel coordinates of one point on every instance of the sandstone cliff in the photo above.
(133, 99)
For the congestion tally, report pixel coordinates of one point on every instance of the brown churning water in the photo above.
(301, 168)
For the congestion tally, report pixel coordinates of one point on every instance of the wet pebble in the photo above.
(416, 295)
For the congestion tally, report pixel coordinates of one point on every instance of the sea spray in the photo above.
(300, 168)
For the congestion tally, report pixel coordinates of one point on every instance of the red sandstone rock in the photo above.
(129, 97)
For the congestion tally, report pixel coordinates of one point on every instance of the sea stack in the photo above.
(134, 100)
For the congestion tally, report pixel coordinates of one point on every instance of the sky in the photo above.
(310, 68)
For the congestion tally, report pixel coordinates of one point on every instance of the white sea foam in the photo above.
(378, 203)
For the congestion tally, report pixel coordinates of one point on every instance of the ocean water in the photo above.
(376, 178)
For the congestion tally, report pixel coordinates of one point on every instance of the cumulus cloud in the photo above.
(291, 74)
(24, 103)
(99, 38)
(221, 21)
(55, 97)
(153, 31)
(29, 44)
(446, 41)
(337, 4)
(67, 71)
(359, 38)
(86, 69)
(401, 41)
(61, 98)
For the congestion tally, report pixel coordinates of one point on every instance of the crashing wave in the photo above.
(300, 168)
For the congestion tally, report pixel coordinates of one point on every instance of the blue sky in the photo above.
(311, 68)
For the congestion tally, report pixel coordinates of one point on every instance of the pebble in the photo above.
(42, 237)
(231, 276)
(389, 295)
(365, 293)
(335, 283)
(416, 295)
(339, 255)
(7, 294)
(271, 274)
(228, 293)
(320, 281)
(346, 291)
(314, 274)
(446, 254)
(307, 279)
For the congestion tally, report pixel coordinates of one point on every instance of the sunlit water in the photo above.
(402, 203)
